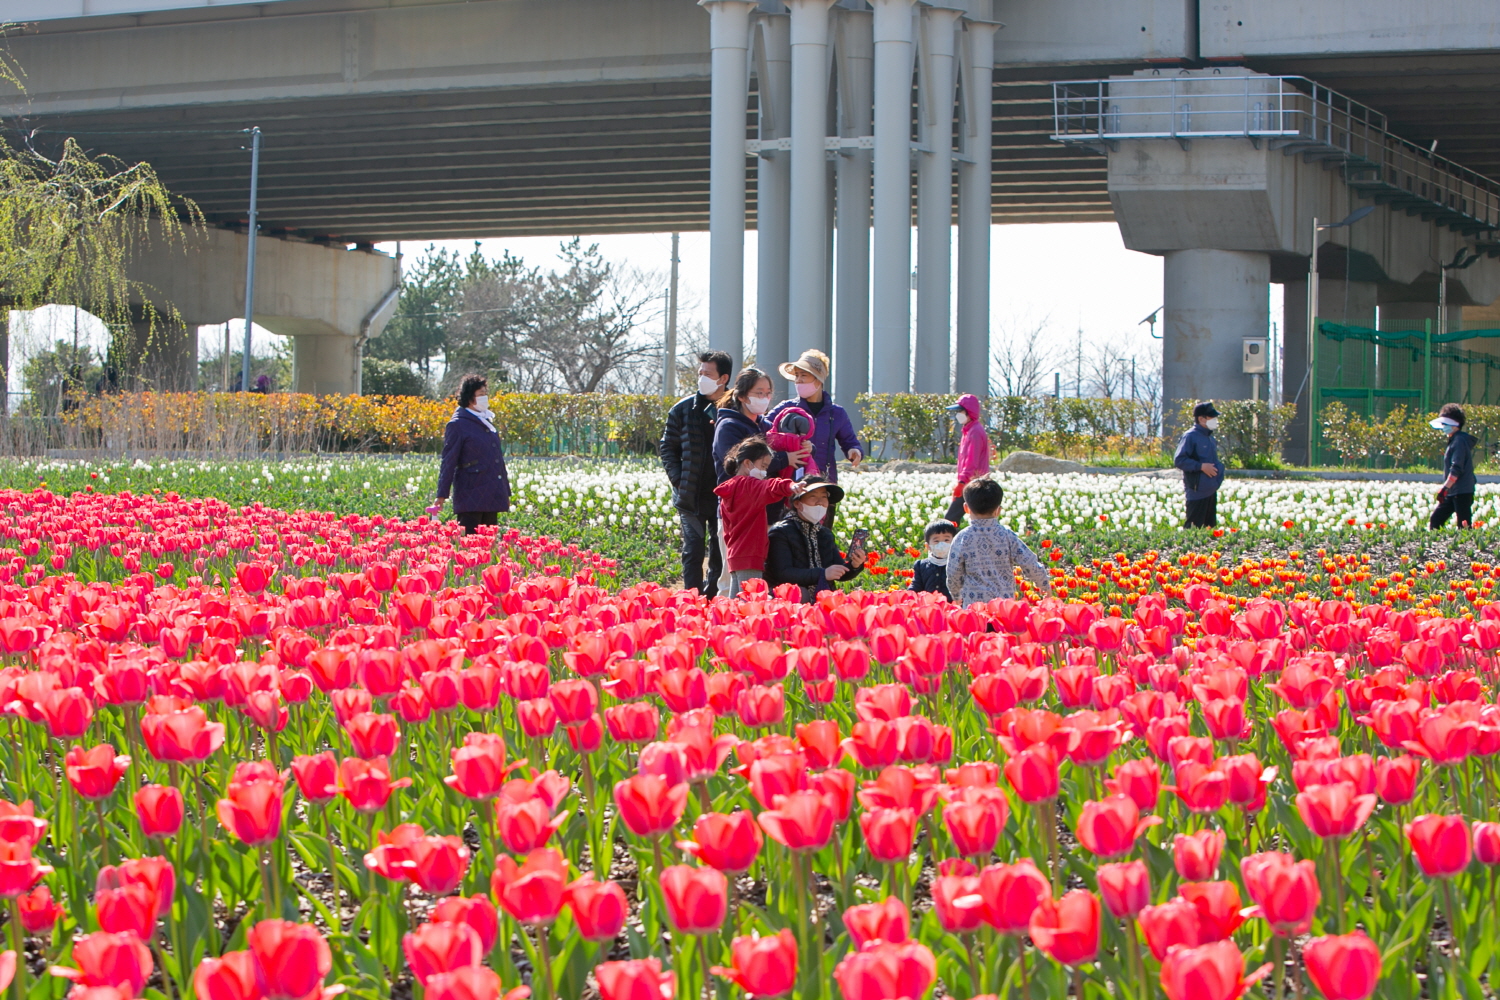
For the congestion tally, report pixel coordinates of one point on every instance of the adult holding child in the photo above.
(473, 463)
(686, 449)
(831, 424)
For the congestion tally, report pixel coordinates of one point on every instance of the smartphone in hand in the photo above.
(858, 542)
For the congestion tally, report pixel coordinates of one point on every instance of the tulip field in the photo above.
(256, 752)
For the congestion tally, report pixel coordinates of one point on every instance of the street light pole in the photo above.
(1312, 319)
(250, 256)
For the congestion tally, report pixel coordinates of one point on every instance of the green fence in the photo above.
(1404, 363)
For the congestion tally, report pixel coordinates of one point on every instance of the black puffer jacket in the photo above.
(788, 561)
(686, 450)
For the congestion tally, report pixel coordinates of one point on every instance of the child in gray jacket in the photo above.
(984, 557)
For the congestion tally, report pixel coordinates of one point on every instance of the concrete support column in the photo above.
(1214, 299)
(856, 86)
(807, 285)
(729, 40)
(164, 359)
(891, 264)
(773, 189)
(325, 364)
(1296, 387)
(1351, 303)
(975, 184)
(937, 76)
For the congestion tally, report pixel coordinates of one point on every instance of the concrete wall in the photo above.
(1232, 29)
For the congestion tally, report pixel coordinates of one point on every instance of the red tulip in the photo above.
(697, 899)
(1202, 789)
(156, 875)
(1334, 810)
(293, 958)
(66, 712)
(531, 892)
(975, 822)
(472, 982)
(873, 923)
(729, 842)
(317, 776)
(801, 821)
(760, 706)
(1343, 967)
(576, 701)
(391, 856)
(1169, 925)
(1396, 779)
(39, 913)
(889, 833)
(634, 722)
(764, 967)
(367, 784)
(1011, 895)
(957, 901)
(437, 864)
(636, 979)
(1125, 887)
(1208, 972)
(649, 805)
(19, 824)
(251, 807)
(1067, 931)
(185, 737)
(1138, 778)
(1444, 737)
(1285, 891)
(129, 908)
(599, 908)
(435, 948)
(476, 911)
(104, 959)
(1441, 844)
(1109, 828)
(232, 976)
(1197, 854)
(524, 826)
(94, 772)
(1218, 906)
(159, 809)
(1033, 773)
(887, 971)
(1487, 843)
(373, 734)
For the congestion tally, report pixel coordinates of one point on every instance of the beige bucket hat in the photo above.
(813, 362)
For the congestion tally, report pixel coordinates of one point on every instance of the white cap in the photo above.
(1443, 424)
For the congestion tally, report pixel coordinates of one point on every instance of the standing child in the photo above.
(743, 499)
(930, 575)
(985, 555)
(973, 451)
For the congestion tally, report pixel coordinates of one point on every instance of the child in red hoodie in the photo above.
(743, 499)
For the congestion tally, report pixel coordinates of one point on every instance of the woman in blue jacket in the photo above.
(831, 423)
(473, 468)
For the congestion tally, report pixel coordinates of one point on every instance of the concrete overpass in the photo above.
(436, 119)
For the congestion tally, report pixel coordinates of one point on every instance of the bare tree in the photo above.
(1022, 360)
(492, 318)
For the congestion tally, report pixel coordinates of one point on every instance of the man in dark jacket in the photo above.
(1456, 497)
(802, 550)
(1202, 472)
(686, 450)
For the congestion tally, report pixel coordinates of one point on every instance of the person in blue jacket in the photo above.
(473, 466)
(831, 423)
(1202, 472)
(1456, 496)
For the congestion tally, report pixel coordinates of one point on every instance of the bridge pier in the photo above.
(1214, 299)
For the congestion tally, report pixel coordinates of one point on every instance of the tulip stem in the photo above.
(1136, 960)
(543, 971)
(704, 961)
(18, 945)
(1278, 960)
(103, 831)
(976, 986)
(1335, 873)
(1453, 934)
(1021, 958)
(333, 873)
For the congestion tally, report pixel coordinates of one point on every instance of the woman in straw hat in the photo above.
(831, 424)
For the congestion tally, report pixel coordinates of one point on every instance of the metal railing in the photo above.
(1291, 113)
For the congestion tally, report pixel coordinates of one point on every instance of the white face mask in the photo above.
(481, 403)
(939, 551)
(754, 473)
(807, 390)
(814, 515)
(707, 386)
(1212, 423)
(758, 404)
(962, 419)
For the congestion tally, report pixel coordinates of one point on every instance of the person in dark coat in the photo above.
(1202, 472)
(473, 466)
(930, 575)
(1456, 496)
(831, 424)
(801, 546)
(686, 450)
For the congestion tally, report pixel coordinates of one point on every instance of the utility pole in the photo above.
(1078, 367)
(250, 255)
(224, 385)
(669, 366)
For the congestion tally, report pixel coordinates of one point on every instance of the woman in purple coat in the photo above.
(473, 468)
(831, 424)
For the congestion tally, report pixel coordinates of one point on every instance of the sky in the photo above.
(1063, 277)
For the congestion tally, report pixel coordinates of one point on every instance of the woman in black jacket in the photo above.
(473, 468)
(802, 549)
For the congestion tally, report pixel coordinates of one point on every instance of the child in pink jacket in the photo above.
(973, 451)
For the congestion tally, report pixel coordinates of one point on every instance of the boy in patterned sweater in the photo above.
(982, 562)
